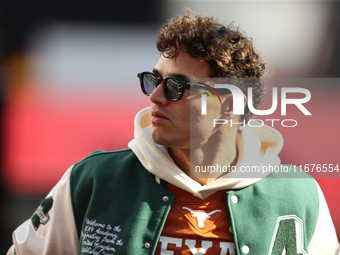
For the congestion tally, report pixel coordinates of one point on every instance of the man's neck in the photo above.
(203, 158)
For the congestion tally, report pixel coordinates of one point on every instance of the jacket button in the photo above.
(234, 199)
(147, 245)
(245, 249)
(165, 198)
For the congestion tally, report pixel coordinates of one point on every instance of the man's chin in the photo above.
(157, 139)
(167, 139)
(169, 143)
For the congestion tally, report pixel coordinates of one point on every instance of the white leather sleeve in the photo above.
(58, 235)
(324, 240)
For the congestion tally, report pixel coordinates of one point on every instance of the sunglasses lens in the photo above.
(149, 83)
(173, 88)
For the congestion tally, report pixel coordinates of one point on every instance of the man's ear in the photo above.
(227, 107)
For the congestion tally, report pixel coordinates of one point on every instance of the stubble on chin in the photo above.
(170, 140)
(156, 137)
(161, 138)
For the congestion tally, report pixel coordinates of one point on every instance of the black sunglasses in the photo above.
(173, 87)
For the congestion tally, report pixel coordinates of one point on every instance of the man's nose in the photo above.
(158, 96)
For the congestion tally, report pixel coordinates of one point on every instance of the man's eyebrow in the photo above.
(156, 72)
(181, 76)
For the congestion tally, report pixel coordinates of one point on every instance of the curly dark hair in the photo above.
(228, 52)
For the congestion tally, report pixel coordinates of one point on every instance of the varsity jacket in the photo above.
(117, 203)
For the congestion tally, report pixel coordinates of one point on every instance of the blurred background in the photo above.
(68, 83)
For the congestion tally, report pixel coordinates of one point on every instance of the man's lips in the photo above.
(158, 117)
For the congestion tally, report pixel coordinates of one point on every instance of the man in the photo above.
(143, 200)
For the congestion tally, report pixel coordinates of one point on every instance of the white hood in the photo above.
(257, 146)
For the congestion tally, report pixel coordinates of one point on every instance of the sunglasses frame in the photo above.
(159, 81)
